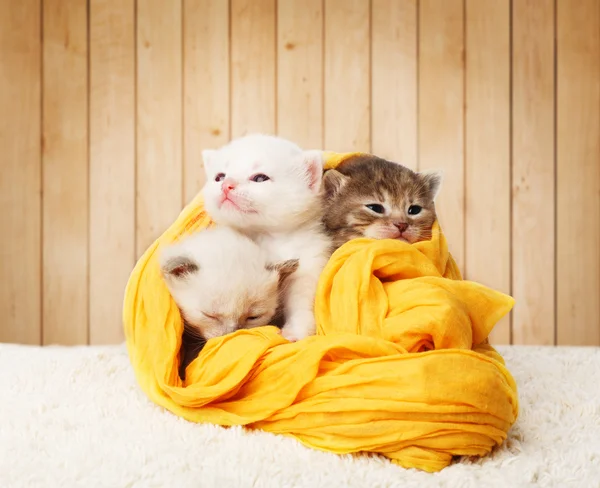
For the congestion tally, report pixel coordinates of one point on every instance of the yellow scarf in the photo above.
(397, 366)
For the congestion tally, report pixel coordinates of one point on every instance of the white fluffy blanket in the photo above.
(72, 417)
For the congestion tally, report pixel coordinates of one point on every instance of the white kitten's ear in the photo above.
(313, 163)
(176, 268)
(333, 182)
(433, 180)
(284, 269)
(209, 157)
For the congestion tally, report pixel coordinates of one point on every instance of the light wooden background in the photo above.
(107, 104)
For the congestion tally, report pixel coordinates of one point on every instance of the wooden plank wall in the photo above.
(107, 105)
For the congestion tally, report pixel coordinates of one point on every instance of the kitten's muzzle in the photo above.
(228, 185)
(401, 226)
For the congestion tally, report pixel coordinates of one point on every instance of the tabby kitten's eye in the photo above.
(254, 317)
(376, 207)
(414, 210)
(220, 177)
(259, 178)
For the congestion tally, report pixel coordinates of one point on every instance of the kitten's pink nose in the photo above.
(228, 185)
(402, 226)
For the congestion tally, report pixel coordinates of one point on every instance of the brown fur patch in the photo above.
(366, 179)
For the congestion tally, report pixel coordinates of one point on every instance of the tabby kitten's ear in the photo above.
(333, 182)
(433, 180)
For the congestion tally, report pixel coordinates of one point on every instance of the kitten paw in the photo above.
(297, 331)
(291, 335)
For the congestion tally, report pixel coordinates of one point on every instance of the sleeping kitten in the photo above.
(221, 282)
(269, 189)
(367, 196)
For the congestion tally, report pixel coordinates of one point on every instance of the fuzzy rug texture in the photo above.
(75, 417)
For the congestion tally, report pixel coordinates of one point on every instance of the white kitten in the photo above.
(221, 281)
(268, 188)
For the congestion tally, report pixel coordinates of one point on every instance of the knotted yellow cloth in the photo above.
(397, 366)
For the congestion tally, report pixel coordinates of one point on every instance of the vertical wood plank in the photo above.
(253, 67)
(206, 91)
(578, 172)
(533, 171)
(300, 71)
(159, 118)
(65, 172)
(347, 76)
(441, 117)
(112, 163)
(394, 80)
(20, 184)
(487, 139)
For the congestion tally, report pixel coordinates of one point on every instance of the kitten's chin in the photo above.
(263, 216)
(383, 234)
(393, 234)
(227, 212)
(228, 205)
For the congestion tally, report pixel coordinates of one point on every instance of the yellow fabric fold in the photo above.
(398, 365)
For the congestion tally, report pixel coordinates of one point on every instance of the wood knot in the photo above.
(146, 44)
(215, 132)
(289, 46)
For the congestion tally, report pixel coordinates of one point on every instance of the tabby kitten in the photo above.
(367, 196)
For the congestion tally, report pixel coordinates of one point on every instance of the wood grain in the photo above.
(206, 91)
(487, 146)
(20, 184)
(300, 71)
(253, 82)
(441, 116)
(159, 118)
(65, 174)
(533, 171)
(578, 172)
(466, 86)
(112, 164)
(347, 116)
(394, 80)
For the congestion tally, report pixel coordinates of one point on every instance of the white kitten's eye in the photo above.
(209, 316)
(376, 207)
(259, 178)
(220, 177)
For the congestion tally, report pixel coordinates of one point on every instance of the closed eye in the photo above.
(254, 317)
(209, 316)
(376, 207)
